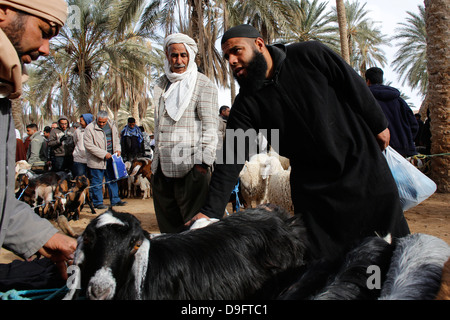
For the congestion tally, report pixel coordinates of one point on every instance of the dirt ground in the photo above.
(431, 217)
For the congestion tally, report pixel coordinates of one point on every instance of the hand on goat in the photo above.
(60, 249)
(196, 217)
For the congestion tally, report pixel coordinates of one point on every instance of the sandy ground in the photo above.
(431, 217)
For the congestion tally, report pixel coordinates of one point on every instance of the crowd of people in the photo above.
(61, 147)
(343, 188)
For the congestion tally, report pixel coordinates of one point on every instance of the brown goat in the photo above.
(141, 166)
(71, 199)
(40, 190)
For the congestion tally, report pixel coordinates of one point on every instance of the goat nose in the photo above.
(102, 285)
(97, 293)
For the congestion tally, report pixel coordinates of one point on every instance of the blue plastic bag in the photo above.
(120, 171)
(413, 186)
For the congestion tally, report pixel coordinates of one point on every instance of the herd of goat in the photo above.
(54, 194)
(258, 253)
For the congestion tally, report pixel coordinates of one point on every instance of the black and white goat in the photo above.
(410, 268)
(346, 277)
(253, 254)
(416, 268)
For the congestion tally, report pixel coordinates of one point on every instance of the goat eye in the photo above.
(137, 245)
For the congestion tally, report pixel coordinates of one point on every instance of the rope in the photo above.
(36, 294)
(236, 191)
(23, 191)
(424, 156)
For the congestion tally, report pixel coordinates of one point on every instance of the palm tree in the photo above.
(271, 18)
(311, 22)
(411, 58)
(437, 17)
(342, 22)
(364, 37)
(103, 44)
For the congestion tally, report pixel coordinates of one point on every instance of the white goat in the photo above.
(144, 185)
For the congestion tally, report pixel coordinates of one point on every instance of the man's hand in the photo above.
(108, 156)
(60, 249)
(383, 139)
(196, 217)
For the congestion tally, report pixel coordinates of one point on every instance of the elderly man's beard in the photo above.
(255, 75)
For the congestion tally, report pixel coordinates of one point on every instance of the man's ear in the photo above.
(3, 12)
(259, 42)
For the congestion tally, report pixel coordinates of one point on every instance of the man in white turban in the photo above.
(186, 125)
(26, 26)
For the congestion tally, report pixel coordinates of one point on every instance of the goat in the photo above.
(444, 291)
(144, 185)
(41, 188)
(143, 167)
(343, 278)
(416, 268)
(72, 197)
(253, 254)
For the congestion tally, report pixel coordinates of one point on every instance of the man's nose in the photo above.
(179, 60)
(232, 60)
(44, 49)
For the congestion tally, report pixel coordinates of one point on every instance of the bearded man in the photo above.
(26, 28)
(330, 127)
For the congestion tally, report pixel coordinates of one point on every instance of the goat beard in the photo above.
(256, 73)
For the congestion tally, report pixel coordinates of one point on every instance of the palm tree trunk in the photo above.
(437, 17)
(342, 21)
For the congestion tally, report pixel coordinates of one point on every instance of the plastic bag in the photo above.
(413, 186)
(120, 171)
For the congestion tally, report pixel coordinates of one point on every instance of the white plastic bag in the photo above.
(413, 186)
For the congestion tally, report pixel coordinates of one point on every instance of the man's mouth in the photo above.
(238, 72)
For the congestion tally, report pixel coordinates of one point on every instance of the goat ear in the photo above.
(135, 170)
(140, 266)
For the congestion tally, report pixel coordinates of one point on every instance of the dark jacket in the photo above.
(402, 122)
(327, 120)
(65, 147)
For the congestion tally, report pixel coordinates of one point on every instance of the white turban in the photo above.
(179, 94)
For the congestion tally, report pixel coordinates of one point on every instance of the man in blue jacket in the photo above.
(402, 123)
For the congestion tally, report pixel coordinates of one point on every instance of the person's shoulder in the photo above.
(161, 82)
(203, 81)
(307, 47)
(203, 78)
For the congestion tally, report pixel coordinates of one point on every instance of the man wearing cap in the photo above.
(185, 134)
(330, 127)
(26, 26)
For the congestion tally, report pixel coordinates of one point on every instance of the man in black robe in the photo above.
(330, 127)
